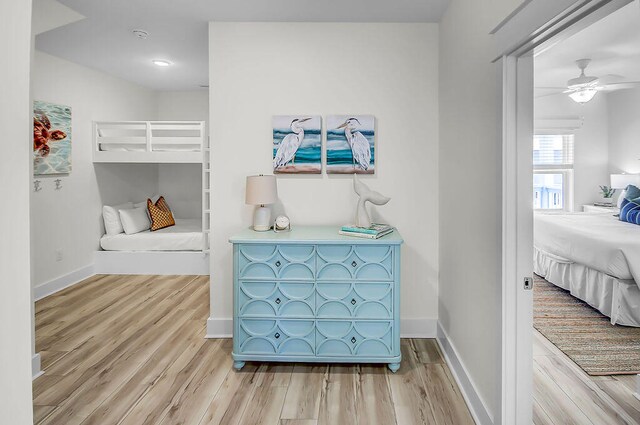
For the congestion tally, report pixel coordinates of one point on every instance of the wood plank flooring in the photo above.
(131, 350)
(565, 394)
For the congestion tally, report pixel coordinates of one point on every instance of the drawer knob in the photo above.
(353, 301)
(277, 335)
(353, 339)
(354, 264)
(278, 263)
(278, 301)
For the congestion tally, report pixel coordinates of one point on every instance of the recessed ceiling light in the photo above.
(141, 34)
(160, 62)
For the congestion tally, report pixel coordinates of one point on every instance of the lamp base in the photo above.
(262, 219)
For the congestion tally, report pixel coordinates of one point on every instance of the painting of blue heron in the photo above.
(351, 144)
(51, 138)
(297, 144)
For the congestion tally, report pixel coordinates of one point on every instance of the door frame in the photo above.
(531, 29)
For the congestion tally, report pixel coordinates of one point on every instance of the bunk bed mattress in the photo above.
(186, 235)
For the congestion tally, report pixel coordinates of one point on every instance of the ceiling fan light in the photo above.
(583, 95)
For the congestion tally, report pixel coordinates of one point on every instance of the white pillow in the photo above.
(111, 217)
(623, 194)
(135, 220)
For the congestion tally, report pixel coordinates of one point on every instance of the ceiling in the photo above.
(612, 43)
(178, 31)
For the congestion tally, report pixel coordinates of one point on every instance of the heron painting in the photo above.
(297, 144)
(351, 144)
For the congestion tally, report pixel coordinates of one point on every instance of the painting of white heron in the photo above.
(351, 144)
(297, 144)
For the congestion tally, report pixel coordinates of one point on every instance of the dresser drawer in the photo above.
(276, 337)
(358, 262)
(359, 338)
(361, 300)
(270, 299)
(264, 261)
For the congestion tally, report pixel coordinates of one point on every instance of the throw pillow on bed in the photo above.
(630, 210)
(111, 217)
(631, 192)
(160, 214)
(135, 220)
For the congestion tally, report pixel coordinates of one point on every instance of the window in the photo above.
(553, 171)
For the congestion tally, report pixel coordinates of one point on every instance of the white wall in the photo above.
(15, 290)
(389, 70)
(624, 131)
(181, 184)
(591, 161)
(470, 171)
(70, 219)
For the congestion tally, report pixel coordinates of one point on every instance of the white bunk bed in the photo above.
(156, 142)
(149, 141)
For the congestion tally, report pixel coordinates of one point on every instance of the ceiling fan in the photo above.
(584, 87)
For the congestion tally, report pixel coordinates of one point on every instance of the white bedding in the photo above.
(186, 235)
(599, 241)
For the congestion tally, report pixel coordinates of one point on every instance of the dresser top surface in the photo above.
(311, 234)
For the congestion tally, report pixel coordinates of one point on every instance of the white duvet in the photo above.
(599, 241)
(186, 235)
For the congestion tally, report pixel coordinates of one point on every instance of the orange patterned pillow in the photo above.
(160, 214)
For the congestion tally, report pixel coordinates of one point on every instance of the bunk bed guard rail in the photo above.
(149, 141)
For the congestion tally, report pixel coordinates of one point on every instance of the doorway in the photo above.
(536, 26)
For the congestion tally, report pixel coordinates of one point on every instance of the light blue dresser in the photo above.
(311, 295)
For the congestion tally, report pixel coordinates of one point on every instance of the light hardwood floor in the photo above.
(131, 350)
(565, 394)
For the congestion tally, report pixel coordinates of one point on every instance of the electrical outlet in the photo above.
(59, 255)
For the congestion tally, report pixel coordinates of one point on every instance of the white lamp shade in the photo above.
(621, 181)
(261, 190)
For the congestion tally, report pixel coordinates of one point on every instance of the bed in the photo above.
(186, 235)
(149, 141)
(595, 257)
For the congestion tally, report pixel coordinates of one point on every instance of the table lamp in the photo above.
(261, 190)
(621, 181)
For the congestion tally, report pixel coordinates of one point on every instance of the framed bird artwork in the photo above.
(351, 144)
(297, 144)
(51, 138)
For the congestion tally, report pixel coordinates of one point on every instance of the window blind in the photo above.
(555, 151)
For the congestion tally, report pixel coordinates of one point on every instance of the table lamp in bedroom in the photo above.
(261, 190)
(621, 181)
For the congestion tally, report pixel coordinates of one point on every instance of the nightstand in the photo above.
(593, 209)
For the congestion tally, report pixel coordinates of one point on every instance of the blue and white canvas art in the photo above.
(297, 144)
(51, 138)
(351, 144)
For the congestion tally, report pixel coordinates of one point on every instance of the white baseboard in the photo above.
(219, 328)
(36, 368)
(58, 284)
(476, 405)
(147, 262)
(409, 328)
(418, 328)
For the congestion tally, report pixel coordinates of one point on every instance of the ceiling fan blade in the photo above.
(610, 79)
(621, 85)
(550, 88)
(548, 94)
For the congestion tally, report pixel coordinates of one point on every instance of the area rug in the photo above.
(583, 333)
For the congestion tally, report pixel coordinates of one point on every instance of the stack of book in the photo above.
(375, 231)
(603, 204)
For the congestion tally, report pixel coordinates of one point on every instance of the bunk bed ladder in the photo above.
(206, 191)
